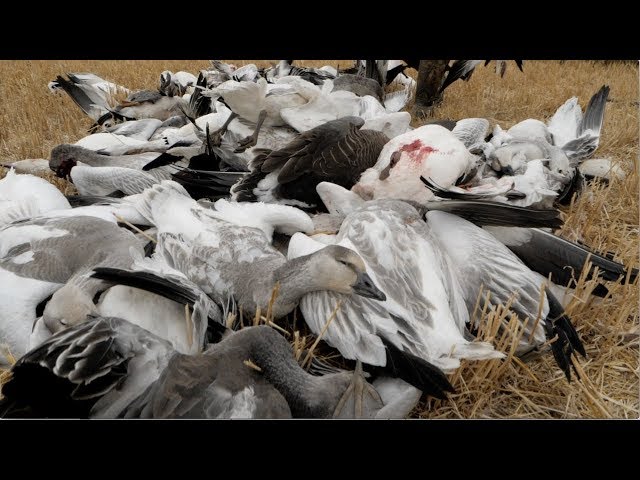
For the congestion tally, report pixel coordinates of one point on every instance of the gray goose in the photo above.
(107, 367)
(337, 151)
(227, 251)
(53, 257)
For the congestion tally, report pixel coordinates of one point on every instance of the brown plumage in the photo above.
(337, 151)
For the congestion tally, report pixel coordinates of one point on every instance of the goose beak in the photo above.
(365, 287)
(508, 170)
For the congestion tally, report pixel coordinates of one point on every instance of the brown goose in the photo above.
(337, 151)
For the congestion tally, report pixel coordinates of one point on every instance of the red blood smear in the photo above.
(417, 151)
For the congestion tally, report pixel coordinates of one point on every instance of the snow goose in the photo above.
(150, 104)
(286, 68)
(567, 139)
(463, 69)
(92, 94)
(32, 166)
(561, 259)
(534, 188)
(224, 145)
(111, 144)
(176, 84)
(93, 369)
(337, 151)
(26, 196)
(602, 169)
(479, 260)
(39, 256)
(221, 72)
(237, 260)
(258, 103)
(361, 86)
(423, 315)
(431, 151)
(101, 174)
(64, 157)
(141, 129)
(110, 368)
(577, 134)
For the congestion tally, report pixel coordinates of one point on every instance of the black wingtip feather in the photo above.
(86, 200)
(496, 214)
(575, 186)
(558, 324)
(416, 371)
(155, 284)
(563, 322)
(146, 281)
(161, 160)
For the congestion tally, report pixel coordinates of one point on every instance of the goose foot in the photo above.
(215, 138)
(246, 142)
(360, 399)
(252, 140)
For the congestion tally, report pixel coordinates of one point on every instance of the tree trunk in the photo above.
(430, 77)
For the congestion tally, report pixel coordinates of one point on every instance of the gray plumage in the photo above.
(471, 131)
(48, 256)
(577, 134)
(97, 367)
(237, 259)
(361, 86)
(66, 153)
(108, 368)
(478, 259)
(423, 313)
(218, 384)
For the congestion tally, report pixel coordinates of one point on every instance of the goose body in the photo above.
(423, 313)
(233, 260)
(141, 376)
(479, 259)
(49, 256)
(431, 151)
(337, 151)
(26, 196)
(91, 93)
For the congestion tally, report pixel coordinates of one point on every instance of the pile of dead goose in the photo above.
(243, 192)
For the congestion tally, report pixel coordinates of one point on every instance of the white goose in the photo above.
(431, 151)
(27, 196)
(479, 259)
(423, 314)
(259, 103)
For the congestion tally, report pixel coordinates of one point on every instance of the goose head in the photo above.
(63, 159)
(68, 306)
(342, 270)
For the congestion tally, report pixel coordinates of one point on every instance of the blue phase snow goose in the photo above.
(110, 368)
(49, 257)
(227, 251)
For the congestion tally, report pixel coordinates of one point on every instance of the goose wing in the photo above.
(93, 369)
(337, 149)
(401, 263)
(480, 261)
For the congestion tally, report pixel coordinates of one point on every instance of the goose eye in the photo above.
(63, 322)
